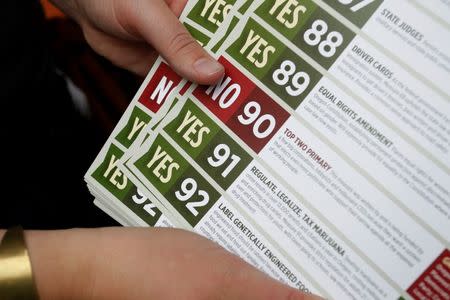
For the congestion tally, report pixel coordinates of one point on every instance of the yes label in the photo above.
(137, 121)
(218, 154)
(110, 177)
(114, 175)
(286, 16)
(287, 12)
(162, 165)
(210, 14)
(213, 9)
(169, 172)
(257, 49)
(192, 129)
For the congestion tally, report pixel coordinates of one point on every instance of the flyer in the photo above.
(107, 183)
(322, 155)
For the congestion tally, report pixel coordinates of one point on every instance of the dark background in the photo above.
(46, 144)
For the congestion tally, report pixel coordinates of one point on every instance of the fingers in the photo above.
(157, 24)
(137, 57)
(176, 6)
(245, 282)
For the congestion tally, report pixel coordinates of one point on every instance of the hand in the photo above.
(127, 32)
(133, 263)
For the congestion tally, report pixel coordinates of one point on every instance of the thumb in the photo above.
(157, 24)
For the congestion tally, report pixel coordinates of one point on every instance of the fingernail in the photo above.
(208, 66)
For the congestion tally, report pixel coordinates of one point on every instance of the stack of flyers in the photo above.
(321, 157)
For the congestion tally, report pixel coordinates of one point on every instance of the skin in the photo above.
(131, 33)
(143, 263)
(133, 263)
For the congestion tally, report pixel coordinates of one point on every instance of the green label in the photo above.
(192, 129)
(291, 78)
(223, 159)
(356, 11)
(142, 206)
(230, 28)
(256, 49)
(323, 38)
(287, 17)
(192, 196)
(201, 38)
(172, 105)
(110, 177)
(244, 7)
(161, 165)
(137, 121)
(210, 13)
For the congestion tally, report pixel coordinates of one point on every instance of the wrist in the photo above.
(62, 262)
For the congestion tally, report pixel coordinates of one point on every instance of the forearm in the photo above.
(143, 263)
(61, 262)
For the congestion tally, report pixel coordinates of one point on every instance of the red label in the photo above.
(257, 120)
(184, 89)
(159, 87)
(224, 98)
(434, 283)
